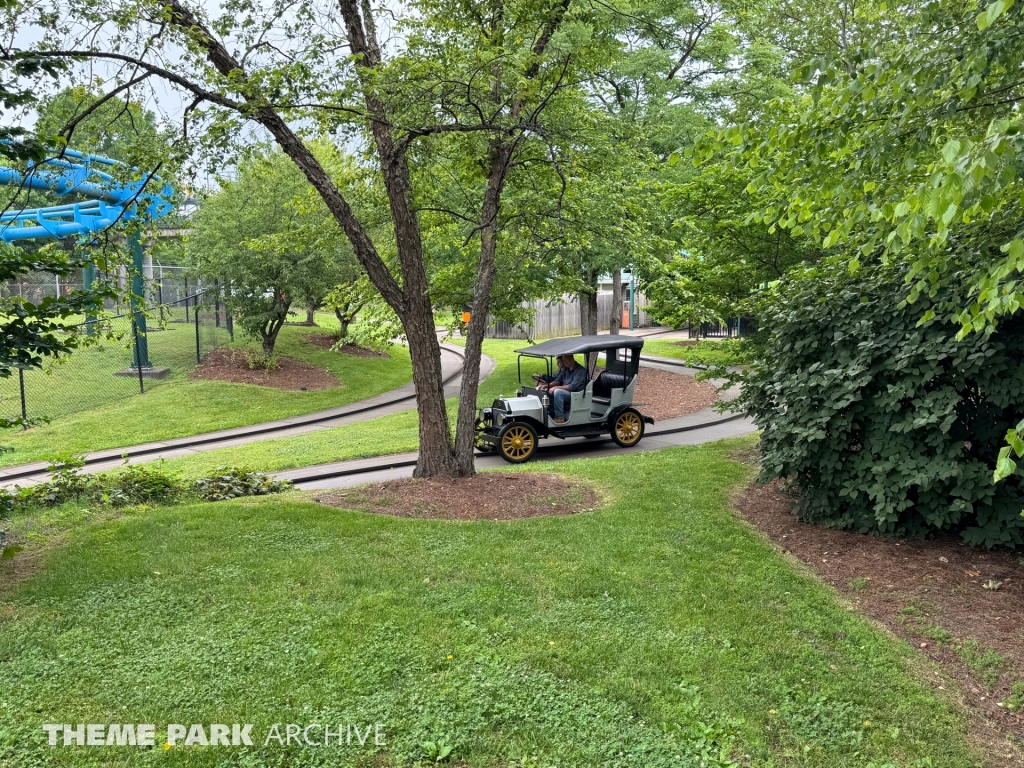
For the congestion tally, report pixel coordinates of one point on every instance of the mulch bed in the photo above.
(290, 374)
(921, 590)
(665, 394)
(490, 496)
(326, 341)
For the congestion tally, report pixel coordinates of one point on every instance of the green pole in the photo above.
(88, 278)
(141, 357)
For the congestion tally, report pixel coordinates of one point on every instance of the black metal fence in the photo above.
(179, 335)
(732, 327)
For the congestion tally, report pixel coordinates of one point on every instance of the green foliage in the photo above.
(136, 484)
(1015, 701)
(231, 483)
(886, 424)
(35, 332)
(909, 145)
(378, 327)
(118, 129)
(140, 484)
(260, 361)
(727, 257)
(270, 243)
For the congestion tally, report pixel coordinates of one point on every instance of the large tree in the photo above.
(484, 75)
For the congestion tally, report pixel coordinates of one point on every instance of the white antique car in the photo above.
(512, 426)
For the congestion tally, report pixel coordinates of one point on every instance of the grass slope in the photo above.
(657, 631)
(397, 433)
(183, 406)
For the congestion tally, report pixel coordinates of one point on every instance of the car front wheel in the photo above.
(517, 442)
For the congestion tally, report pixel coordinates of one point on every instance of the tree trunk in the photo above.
(435, 456)
(615, 324)
(269, 336)
(588, 304)
(344, 318)
(465, 430)
(311, 315)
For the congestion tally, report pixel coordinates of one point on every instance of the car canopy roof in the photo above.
(578, 345)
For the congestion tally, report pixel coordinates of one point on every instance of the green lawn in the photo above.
(397, 433)
(705, 353)
(656, 631)
(181, 406)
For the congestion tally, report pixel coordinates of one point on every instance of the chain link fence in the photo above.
(179, 335)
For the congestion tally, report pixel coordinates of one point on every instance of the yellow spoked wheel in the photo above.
(517, 442)
(628, 428)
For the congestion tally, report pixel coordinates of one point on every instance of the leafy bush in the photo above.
(231, 483)
(136, 484)
(260, 361)
(140, 484)
(885, 424)
(66, 483)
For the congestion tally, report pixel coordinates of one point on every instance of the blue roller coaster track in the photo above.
(108, 202)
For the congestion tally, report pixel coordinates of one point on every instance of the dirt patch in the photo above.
(933, 594)
(686, 343)
(490, 496)
(327, 340)
(665, 395)
(290, 374)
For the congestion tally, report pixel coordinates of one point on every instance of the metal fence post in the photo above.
(138, 358)
(24, 408)
(186, 299)
(195, 313)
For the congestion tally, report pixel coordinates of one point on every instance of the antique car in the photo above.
(512, 426)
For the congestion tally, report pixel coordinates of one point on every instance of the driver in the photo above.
(571, 378)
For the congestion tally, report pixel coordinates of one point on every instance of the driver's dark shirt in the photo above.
(575, 380)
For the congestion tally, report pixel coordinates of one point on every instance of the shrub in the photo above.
(66, 483)
(140, 484)
(259, 361)
(231, 483)
(136, 484)
(885, 424)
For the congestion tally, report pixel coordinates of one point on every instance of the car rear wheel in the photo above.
(517, 442)
(627, 427)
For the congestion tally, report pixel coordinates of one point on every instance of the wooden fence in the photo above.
(562, 318)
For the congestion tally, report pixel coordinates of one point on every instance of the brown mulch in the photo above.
(327, 340)
(931, 594)
(290, 374)
(665, 395)
(490, 496)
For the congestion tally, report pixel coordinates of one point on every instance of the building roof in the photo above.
(578, 345)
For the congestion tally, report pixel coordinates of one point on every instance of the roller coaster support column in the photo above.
(88, 278)
(140, 358)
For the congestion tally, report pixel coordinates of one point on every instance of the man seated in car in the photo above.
(571, 378)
